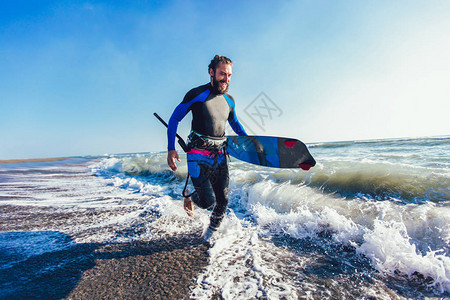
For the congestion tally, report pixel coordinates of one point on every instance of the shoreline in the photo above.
(25, 160)
(162, 268)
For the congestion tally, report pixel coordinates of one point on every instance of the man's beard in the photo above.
(218, 89)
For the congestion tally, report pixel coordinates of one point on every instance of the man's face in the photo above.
(220, 79)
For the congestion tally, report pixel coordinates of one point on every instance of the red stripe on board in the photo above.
(305, 167)
(290, 143)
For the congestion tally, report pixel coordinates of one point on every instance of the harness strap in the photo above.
(185, 186)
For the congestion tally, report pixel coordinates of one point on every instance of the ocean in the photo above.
(371, 220)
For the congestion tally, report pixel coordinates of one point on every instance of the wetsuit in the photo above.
(208, 168)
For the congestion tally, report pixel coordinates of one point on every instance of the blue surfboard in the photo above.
(270, 151)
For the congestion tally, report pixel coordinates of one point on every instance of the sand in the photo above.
(15, 161)
(158, 269)
(164, 268)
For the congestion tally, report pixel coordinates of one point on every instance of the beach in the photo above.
(25, 160)
(113, 227)
(156, 269)
(160, 269)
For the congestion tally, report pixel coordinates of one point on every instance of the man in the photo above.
(211, 108)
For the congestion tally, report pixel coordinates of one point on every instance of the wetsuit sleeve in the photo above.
(178, 114)
(237, 127)
(197, 94)
(232, 118)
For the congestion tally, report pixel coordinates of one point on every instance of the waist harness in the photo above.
(203, 142)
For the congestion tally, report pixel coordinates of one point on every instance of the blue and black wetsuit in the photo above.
(208, 169)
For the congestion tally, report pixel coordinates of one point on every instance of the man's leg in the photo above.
(219, 182)
(204, 196)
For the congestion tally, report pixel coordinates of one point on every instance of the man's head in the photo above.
(220, 70)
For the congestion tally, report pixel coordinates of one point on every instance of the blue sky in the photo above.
(84, 77)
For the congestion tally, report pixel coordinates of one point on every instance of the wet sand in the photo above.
(153, 270)
(164, 268)
(158, 269)
(15, 161)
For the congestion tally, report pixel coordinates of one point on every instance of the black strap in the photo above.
(185, 186)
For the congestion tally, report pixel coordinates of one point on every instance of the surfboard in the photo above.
(270, 151)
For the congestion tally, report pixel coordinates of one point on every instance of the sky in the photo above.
(85, 77)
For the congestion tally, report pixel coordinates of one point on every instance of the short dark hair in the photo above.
(217, 60)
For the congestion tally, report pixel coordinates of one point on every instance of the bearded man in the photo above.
(211, 108)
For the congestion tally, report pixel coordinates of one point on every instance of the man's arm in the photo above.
(196, 94)
(178, 114)
(232, 118)
(237, 127)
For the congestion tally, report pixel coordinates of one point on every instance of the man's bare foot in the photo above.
(188, 205)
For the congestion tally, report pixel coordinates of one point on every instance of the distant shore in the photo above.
(15, 161)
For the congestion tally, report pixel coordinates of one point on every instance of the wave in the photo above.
(362, 180)
(399, 183)
(420, 141)
(137, 165)
(382, 182)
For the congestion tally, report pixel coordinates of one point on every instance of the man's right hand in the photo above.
(171, 156)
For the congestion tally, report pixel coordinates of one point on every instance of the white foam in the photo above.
(388, 246)
(242, 266)
(301, 218)
(382, 231)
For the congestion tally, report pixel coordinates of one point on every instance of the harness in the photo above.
(213, 145)
(203, 142)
